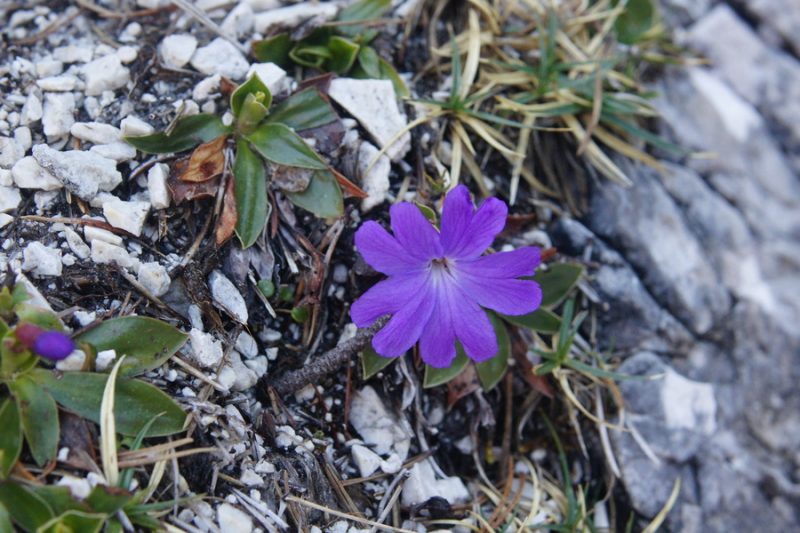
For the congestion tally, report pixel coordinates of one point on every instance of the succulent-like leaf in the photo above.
(439, 376)
(28, 510)
(279, 144)
(253, 86)
(273, 49)
(490, 372)
(74, 521)
(541, 320)
(10, 436)
(636, 20)
(251, 194)
(343, 55)
(39, 415)
(557, 282)
(323, 197)
(303, 110)
(187, 133)
(139, 402)
(146, 342)
(372, 363)
(369, 61)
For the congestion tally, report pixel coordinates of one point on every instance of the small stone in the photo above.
(392, 464)
(118, 151)
(78, 487)
(157, 186)
(41, 260)
(246, 345)
(305, 394)
(93, 233)
(239, 21)
(127, 54)
(207, 86)
(24, 137)
(206, 350)
(154, 277)
(227, 296)
(28, 174)
(244, 377)
(76, 244)
(31, 111)
(129, 216)
(374, 104)
(273, 76)
(105, 74)
(133, 126)
(375, 180)
(73, 54)
(83, 173)
(291, 16)
(43, 200)
(232, 520)
(96, 132)
(251, 479)
(104, 360)
(422, 485)
(259, 365)
(10, 152)
(49, 67)
(105, 253)
(57, 117)
(6, 178)
(176, 50)
(365, 460)
(9, 198)
(376, 425)
(57, 83)
(73, 363)
(220, 57)
(5, 220)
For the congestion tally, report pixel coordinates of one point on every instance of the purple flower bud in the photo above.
(53, 345)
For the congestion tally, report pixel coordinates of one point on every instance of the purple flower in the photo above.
(438, 281)
(48, 344)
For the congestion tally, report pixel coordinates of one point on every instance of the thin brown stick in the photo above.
(327, 363)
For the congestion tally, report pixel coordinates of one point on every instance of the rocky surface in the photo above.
(699, 267)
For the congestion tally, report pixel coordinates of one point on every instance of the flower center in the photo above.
(442, 268)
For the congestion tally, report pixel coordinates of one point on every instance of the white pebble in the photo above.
(176, 50)
(41, 260)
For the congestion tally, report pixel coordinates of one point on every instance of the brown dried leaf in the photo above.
(291, 179)
(227, 86)
(462, 385)
(182, 191)
(348, 187)
(226, 224)
(207, 161)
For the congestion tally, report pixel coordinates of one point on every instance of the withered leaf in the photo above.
(207, 161)
(226, 224)
(291, 179)
(462, 385)
(348, 187)
(182, 190)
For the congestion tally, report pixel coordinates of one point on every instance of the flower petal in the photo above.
(414, 232)
(519, 262)
(474, 330)
(405, 327)
(384, 298)
(507, 296)
(468, 240)
(382, 251)
(437, 345)
(457, 213)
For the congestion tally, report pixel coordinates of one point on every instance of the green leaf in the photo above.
(139, 402)
(13, 360)
(274, 49)
(636, 20)
(439, 376)
(74, 521)
(370, 62)
(146, 342)
(253, 86)
(252, 205)
(44, 318)
(490, 372)
(59, 499)
(323, 197)
(303, 110)
(557, 282)
(279, 144)
(39, 415)
(27, 510)
(372, 363)
(389, 73)
(187, 133)
(5, 520)
(10, 436)
(109, 500)
(541, 320)
(427, 212)
(343, 55)
(310, 55)
(364, 10)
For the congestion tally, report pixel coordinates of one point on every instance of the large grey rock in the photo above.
(764, 76)
(83, 173)
(778, 16)
(645, 224)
